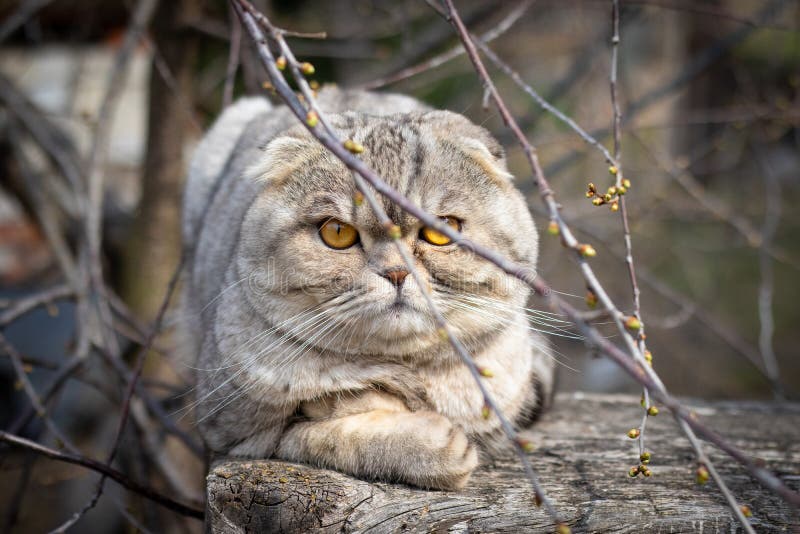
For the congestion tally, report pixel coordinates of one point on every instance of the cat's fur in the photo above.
(302, 351)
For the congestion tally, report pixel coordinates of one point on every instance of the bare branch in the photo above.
(106, 471)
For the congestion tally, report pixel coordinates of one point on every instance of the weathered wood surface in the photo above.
(583, 457)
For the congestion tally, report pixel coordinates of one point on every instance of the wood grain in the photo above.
(583, 457)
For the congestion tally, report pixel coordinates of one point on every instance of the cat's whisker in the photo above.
(507, 320)
(250, 361)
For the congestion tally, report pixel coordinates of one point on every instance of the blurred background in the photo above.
(710, 99)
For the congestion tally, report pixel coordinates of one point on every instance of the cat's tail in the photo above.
(211, 156)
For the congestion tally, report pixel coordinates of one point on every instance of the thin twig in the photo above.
(772, 215)
(45, 297)
(233, 59)
(106, 471)
(440, 59)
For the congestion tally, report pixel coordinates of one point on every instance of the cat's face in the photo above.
(321, 267)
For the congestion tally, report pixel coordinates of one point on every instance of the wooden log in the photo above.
(583, 456)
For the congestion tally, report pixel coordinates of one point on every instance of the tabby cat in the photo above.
(312, 341)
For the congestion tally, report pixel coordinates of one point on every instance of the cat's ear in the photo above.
(474, 141)
(281, 157)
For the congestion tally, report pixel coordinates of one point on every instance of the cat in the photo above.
(312, 341)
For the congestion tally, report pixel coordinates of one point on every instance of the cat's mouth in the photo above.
(401, 306)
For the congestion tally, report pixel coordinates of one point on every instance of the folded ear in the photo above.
(282, 156)
(473, 140)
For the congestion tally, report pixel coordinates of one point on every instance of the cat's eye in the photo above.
(337, 234)
(437, 238)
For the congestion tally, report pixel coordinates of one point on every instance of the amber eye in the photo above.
(337, 234)
(437, 238)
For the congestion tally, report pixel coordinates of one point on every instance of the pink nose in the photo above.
(396, 276)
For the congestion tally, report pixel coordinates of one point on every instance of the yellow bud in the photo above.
(589, 194)
(563, 529)
(314, 85)
(280, 63)
(702, 475)
(613, 170)
(552, 228)
(598, 201)
(27, 368)
(312, 119)
(633, 433)
(353, 146)
(587, 251)
(307, 68)
(645, 457)
(648, 356)
(642, 401)
(615, 206)
(633, 472)
(652, 410)
(607, 197)
(591, 299)
(485, 372)
(592, 187)
(485, 412)
(612, 190)
(645, 471)
(394, 231)
(626, 183)
(442, 334)
(358, 198)
(526, 445)
(746, 511)
(632, 323)
(621, 190)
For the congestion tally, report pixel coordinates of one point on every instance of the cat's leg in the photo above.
(374, 435)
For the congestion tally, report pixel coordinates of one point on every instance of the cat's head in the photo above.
(319, 263)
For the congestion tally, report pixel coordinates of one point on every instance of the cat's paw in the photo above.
(445, 458)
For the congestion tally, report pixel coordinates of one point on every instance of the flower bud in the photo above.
(526, 445)
(613, 170)
(280, 63)
(587, 251)
(702, 475)
(591, 299)
(358, 198)
(645, 457)
(632, 323)
(353, 146)
(652, 410)
(633, 433)
(746, 511)
(633, 472)
(307, 68)
(626, 183)
(552, 228)
(312, 119)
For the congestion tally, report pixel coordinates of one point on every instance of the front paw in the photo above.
(444, 458)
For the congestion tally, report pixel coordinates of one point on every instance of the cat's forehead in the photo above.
(415, 153)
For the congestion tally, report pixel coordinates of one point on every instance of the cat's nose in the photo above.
(395, 276)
